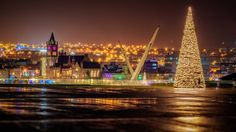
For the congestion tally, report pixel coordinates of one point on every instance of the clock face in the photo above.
(54, 48)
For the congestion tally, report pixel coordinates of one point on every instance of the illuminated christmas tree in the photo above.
(189, 73)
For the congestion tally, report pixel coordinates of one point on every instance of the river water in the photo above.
(117, 109)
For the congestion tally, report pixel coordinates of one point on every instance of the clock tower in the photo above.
(52, 50)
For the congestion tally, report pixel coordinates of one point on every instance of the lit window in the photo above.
(54, 53)
(154, 64)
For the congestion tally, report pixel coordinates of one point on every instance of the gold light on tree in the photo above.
(189, 73)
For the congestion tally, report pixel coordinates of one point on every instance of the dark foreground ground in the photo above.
(117, 109)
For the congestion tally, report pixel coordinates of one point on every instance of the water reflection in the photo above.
(24, 106)
(192, 124)
(111, 103)
(119, 108)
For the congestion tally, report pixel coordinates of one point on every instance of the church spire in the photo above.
(52, 39)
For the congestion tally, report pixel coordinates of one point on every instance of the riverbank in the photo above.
(85, 86)
(159, 85)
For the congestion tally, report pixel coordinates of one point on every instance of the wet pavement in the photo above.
(117, 109)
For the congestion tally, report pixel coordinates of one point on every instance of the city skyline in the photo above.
(117, 65)
(108, 22)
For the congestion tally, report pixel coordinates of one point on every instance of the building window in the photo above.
(154, 64)
(54, 53)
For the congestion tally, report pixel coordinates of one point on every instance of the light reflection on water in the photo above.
(19, 107)
(151, 109)
(111, 103)
(192, 123)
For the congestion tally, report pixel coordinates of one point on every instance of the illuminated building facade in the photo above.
(150, 69)
(151, 66)
(43, 67)
(74, 67)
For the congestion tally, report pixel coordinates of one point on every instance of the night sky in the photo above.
(129, 21)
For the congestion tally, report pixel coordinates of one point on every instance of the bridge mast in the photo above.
(144, 57)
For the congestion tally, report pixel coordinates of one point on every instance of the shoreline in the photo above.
(83, 86)
(94, 86)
